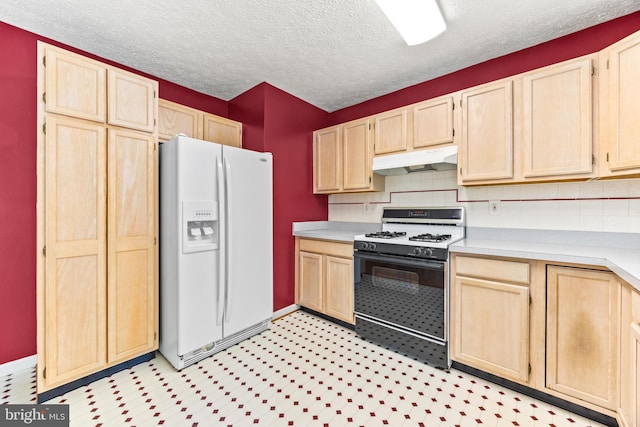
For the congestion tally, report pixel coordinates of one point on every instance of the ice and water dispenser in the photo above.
(200, 226)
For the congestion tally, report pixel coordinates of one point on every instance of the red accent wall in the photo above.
(282, 124)
(583, 42)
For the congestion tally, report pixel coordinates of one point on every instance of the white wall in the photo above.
(606, 205)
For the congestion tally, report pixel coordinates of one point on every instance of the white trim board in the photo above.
(18, 365)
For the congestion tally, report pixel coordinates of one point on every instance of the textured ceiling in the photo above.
(331, 53)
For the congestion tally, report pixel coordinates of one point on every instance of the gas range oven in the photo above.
(401, 281)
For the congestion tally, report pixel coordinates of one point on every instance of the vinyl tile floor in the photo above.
(303, 371)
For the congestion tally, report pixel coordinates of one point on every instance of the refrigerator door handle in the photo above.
(229, 249)
(222, 243)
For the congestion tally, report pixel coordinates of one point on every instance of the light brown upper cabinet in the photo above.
(221, 130)
(80, 87)
(342, 159)
(327, 160)
(557, 117)
(619, 106)
(433, 122)
(132, 100)
(390, 134)
(175, 118)
(75, 86)
(486, 151)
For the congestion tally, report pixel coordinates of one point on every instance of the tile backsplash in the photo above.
(606, 205)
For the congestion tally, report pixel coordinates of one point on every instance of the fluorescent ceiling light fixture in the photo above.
(416, 20)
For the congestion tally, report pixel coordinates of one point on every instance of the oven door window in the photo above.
(402, 291)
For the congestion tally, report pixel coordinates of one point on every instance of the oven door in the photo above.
(402, 291)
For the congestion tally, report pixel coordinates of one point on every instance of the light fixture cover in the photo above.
(416, 20)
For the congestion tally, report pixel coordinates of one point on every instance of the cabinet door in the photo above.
(390, 132)
(339, 288)
(75, 86)
(132, 100)
(357, 156)
(222, 131)
(433, 122)
(490, 327)
(558, 112)
(311, 278)
(582, 334)
(487, 133)
(634, 396)
(75, 271)
(131, 250)
(175, 118)
(327, 162)
(624, 104)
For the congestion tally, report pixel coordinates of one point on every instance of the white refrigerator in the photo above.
(216, 250)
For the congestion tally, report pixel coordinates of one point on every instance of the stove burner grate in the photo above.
(427, 237)
(386, 234)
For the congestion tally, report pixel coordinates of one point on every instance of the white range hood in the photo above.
(444, 158)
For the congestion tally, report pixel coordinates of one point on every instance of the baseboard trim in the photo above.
(285, 311)
(50, 394)
(18, 365)
(536, 394)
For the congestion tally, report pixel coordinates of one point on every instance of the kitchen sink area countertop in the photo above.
(619, 252)
(341, 231)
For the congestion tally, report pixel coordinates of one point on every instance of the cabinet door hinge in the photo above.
(593, 70)
(593, 159)
(44, 250)
(44, 128)
(460, 103)
(369, 180)
(453, 105)
(155, 241)
(529, 368)
(155, 336)
(453, 132)
(44, 61)
(370, 126)
(44, 97)
(607, 64)
(460, 171)
(44, 373)
(607, 157)
(530, 300)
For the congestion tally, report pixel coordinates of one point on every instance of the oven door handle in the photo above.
(422, 263)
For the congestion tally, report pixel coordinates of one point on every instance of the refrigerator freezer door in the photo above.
(249, 213)
(198, 279)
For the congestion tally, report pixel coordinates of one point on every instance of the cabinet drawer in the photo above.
(493, 269)
(344, 250)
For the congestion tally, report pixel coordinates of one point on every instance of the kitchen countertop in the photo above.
(341, 231)
(619, 252)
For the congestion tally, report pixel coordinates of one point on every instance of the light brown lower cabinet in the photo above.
(583, 323)
(628, 410)
(490, 316)
(324, 277)
(97, 298)
(570, 331)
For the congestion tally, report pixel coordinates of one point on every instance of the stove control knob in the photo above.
(417, 251)
(428, 252)
(364, 245)
(372, 246)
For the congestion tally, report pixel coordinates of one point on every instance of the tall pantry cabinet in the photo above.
(96, 209)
